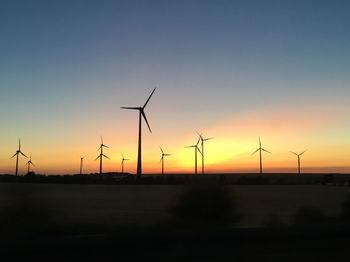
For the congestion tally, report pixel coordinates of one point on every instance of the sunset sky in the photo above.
(233, 70)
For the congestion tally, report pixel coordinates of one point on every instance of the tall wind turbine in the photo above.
(298, 155)
(101, 155)
(17, 154)
(123, 159)
(162, 159)
(202, 148)
(81, 165)
(260, 149)
(141, 114)
(29, 163)
(196, 149)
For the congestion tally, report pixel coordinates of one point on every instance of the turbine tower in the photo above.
(195, 155)
(101, 155)
(17, 154)
(202, 148)
(298, 155)
(162, 159)
(141, 114)
(123, 159)
(81, 165)
(29, 163)
(260, 149)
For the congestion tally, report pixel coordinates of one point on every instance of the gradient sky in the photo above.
(234, 70)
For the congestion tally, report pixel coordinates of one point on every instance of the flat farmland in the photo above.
(140, 206)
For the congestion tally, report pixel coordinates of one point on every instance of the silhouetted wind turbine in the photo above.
(260, 149)
(29, 163)
(123, 159)
(141, 114)
(162, 159)
(195, 155)
(81, 165)
(16, 154)
(202, 148)
(101, 155)
(298, 155)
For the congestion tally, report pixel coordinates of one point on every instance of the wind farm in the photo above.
(174, 130)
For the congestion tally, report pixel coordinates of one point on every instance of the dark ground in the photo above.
(202, 222)
(303, 244)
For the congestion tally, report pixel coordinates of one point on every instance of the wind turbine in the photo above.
(101, 155)
(195, 155)
(202, 148)
(298, 155)
(162, 159)
(123, 159)
(16, 154)
(141, 114)
(81, 165)
(29, 163)
(260, 149)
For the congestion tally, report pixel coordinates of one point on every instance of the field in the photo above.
(141, 206)
(58, 222)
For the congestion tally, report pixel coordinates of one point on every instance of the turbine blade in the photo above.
(105, 146)
(144, 117)
(14, 155)
(27, 163)
(266, 150)
(19, 144)
(161, 159)
(255, 151)
(148, 98)
(293, 153)
(302, 152)
(190, 146)
(32, 163)
(97, 158)
(167, 154)
(122, 154)
(132, 108)
(23, 154)
(206, 139)
(199, 139)
(259, 141)
(200, 135)
(161, 150)
(105, 156)
(101, 140)
(126, 159)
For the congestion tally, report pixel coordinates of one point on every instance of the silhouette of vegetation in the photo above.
(308, 215)
(183, 179)
(328, 179)
(205, 207)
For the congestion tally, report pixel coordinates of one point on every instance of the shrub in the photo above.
(205, 207)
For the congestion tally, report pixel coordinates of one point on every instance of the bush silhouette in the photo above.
(205, 207)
